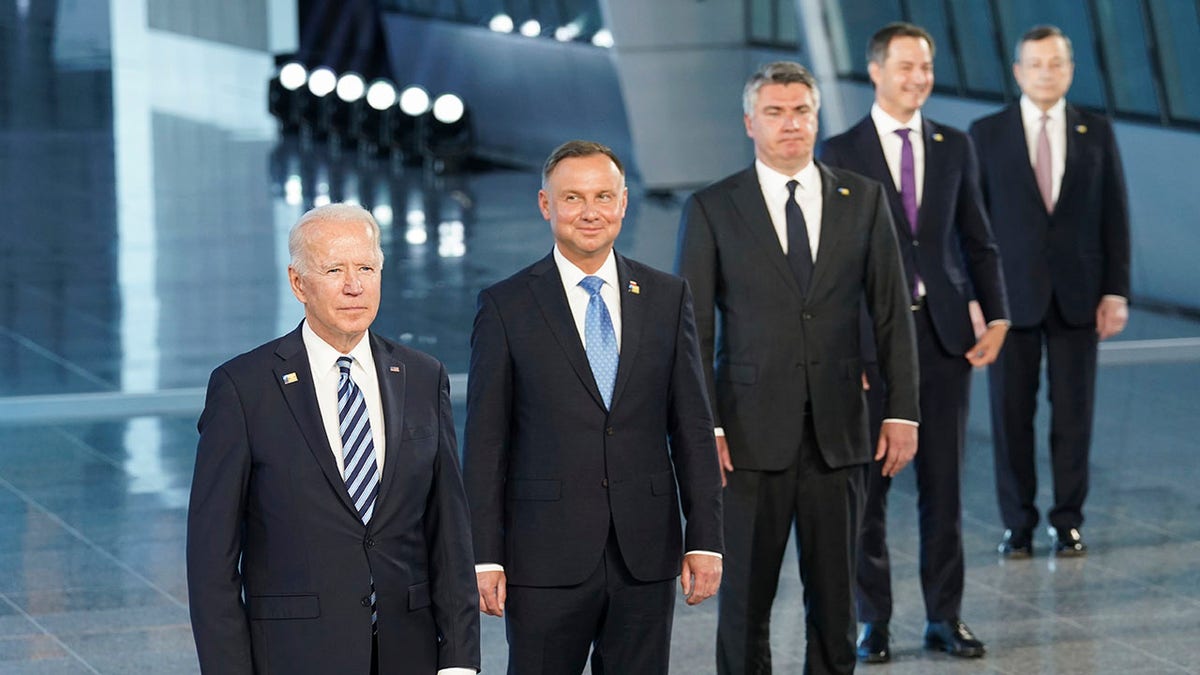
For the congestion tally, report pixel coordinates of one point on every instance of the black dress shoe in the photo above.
(1068, 543)
(873, 643)
(1017, 544)
(954, 638)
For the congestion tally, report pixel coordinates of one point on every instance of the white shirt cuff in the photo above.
(488, 567)
(457, 671)
(999, 322)
(719, 432)
(712, 553)
(900, 421)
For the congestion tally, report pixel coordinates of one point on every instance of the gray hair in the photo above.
(1039, 33)
(341, 212)
(779, 72)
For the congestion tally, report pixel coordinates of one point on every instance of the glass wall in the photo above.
(1135, 59)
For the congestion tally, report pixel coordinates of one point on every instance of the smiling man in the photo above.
(587, 431)
(931, 178)
(328, 528)
(780, 256)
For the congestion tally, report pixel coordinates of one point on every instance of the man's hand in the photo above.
(725, 462)
(988, 348)
(978, 323)
(898, 443)
(701, 577)
(493, 591)
(1111, 316)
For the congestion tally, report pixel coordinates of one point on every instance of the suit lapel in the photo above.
(867, 145)
(391, 375)
(753, 215)
(294, 377)
(1016, 143)
(835, 207)
(633, 318)
(1074, 141)
(546, 286)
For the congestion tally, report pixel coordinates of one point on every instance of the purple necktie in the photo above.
(908, 193)
(908, 179)
(1041, 167)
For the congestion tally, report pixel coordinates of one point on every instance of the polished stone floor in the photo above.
(145, 203)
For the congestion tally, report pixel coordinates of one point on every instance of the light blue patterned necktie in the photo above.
(358, 452)
(601, 340)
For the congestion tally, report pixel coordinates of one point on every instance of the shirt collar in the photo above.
(772, 181)
(886, 124)
(572, 275)
(1032, 115)
(324, 357)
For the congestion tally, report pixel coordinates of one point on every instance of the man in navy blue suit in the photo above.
(328, 527)
(588, 430)
(931, 179)
(1055, 190)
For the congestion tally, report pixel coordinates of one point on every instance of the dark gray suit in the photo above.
(785, 376)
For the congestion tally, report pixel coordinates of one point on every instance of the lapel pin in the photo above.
(634, 288)
(1081, 128)
(394, 369)
(845, 192)
(290, 378)
(939, 138)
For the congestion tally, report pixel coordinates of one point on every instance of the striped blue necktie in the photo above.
(601, 340)
(358, 450)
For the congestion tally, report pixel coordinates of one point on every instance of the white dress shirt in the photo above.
(578, 297)
(808, 195)
(1056, 133)
(322, 358)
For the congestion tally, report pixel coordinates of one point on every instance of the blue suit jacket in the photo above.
(953, 249)
(547, 468)
(1081, 251)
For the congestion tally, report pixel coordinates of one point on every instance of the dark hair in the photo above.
(779, 72)
(877, 46)
(578, 148)
(1039, 33)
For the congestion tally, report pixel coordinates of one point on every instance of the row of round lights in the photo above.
(503, 23)
(381, 94)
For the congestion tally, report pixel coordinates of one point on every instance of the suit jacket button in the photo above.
(366, 601)
(603, 482)
(609, 431)
(806, 315)
(370, 543)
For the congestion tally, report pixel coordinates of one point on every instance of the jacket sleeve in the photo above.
(487, 437)
(447, 529)
(216, 513)
(696, 261)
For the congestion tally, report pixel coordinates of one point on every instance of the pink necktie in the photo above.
(1041, 167)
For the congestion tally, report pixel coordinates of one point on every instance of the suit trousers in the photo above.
(945, 391)
(1013, 386)
(761, 507)
(625, 623)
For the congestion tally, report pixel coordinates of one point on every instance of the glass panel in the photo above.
(854, 22)
(789, 25)
(1123, 39)
(931, 15)
(981, 65)
(1177, 31)
(760, 21)
(1018, 16)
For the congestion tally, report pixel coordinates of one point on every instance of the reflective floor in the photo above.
(143, 242)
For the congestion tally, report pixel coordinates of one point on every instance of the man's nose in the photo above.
(353, 284)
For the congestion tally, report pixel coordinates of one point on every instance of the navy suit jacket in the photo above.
(1078, 253)
(548, 468)
(767, 348)
(953, 249)
(280, 565)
